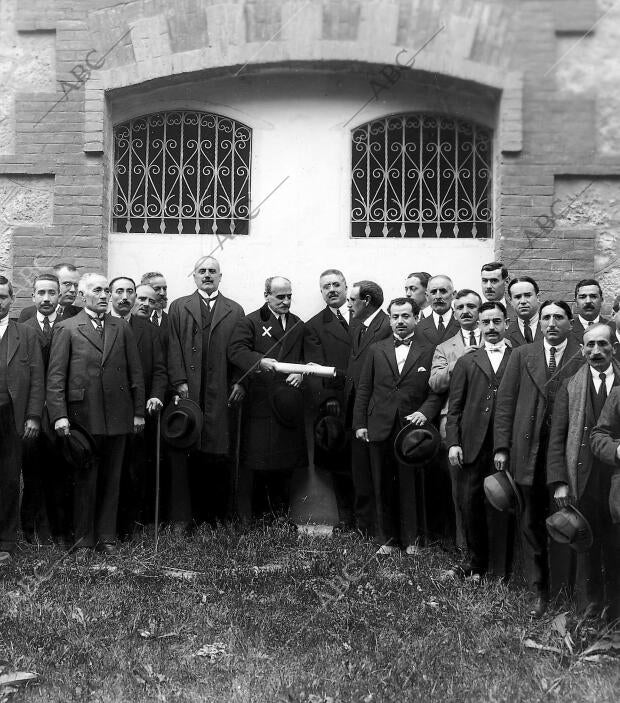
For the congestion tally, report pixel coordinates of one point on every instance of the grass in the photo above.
(267, 615)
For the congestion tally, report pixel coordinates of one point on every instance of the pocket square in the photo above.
(421, 369)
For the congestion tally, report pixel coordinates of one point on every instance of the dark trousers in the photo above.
(440, 504)
(398, 494)
(534, 533)
(489, 534)
(342, 482)
(96, 490)
(364, 496)
(199, 487)
(46, 498)
(10, 460)
(598, 569)
(262, 492)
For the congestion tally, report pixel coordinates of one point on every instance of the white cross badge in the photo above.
(266, 331)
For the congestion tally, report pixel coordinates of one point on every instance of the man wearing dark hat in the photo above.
(22, 392)
(45, 509)
(393, 390)
(522, 421)
(201, 326)
(327, 342)
(273, 442)
(369, 324)
(137, 495)
(469, 436)
(95, 380)
(580, 477)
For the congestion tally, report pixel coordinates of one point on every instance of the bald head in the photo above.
(207, 275)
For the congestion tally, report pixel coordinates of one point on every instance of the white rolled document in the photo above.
(306, 369)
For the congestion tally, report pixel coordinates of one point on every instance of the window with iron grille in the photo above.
(182, 171)
(420, 175)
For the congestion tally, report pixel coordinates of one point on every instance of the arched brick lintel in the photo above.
(333, 56)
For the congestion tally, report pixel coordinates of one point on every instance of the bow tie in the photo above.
(398, 342)
(494, 347)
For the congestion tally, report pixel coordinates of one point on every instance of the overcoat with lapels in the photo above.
(185, 357)
(267, 444)
(93, 381)
(384, 395)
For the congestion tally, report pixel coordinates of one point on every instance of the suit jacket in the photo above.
(93, 381)
(471, 411)
(25, 375)
(383, 395)
(151, 353)
(579, 329)
(605, 436)
(185, 353)
(515, 337)
(569, 458)
(31, 311)
(426, 332)
(44, 342)
(525, 402)
(378, 329)
(327, 342)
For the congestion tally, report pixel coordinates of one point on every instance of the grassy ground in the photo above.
(267, 615)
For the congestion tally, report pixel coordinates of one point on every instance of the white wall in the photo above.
(300, 133)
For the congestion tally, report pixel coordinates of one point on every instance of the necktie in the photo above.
(47, 328)
(341, 320)
(398, 342)
(154, 318)
(440, 326)
(602, 391)
(590, 325)
(493, 348)
(472, 339)
(552, 365)
(59, 312)
(281, 321)
(362, 332)
(527, 332)
(98, 325)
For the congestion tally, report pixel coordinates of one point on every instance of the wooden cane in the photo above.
(157, 459)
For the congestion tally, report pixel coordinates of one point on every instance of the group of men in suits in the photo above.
(510, 383)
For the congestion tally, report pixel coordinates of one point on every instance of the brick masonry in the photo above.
(558, 124)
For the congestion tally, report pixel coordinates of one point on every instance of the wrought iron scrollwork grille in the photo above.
(421, 176)
(182, 171)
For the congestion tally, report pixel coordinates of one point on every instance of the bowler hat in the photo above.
(181, 424)
(287, 405)
(416, 445)
(78, 447)
(503, 493)
(330, 434)
(569, 526)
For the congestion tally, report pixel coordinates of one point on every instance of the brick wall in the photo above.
(557, 122)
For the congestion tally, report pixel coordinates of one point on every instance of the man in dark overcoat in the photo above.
(137, 493)
(273, 442)
(469, 436)
(327, 342)
(46, 501)
(22, 392)
(522, 421)
(392, 391)
(369, 324)
(583, 478)
(200, 329)
(95, 381)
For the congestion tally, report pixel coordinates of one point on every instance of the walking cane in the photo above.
(157, 461)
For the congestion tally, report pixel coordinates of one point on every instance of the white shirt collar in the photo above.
(370, 318)
(343, 310)
(213, 296)
(4, 321)
(586, 323)
(126, 317)
(532, 322)
(559, 348)
(51, 318)
(446, 317)
(501, 345)
(609, 373)
(426, 312)
(92, 314)
(277, 315)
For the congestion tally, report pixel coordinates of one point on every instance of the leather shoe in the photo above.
(5, 558)
(539, 606)
(106, 548)
(467, 570)
(386, 550)
(342, 527)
